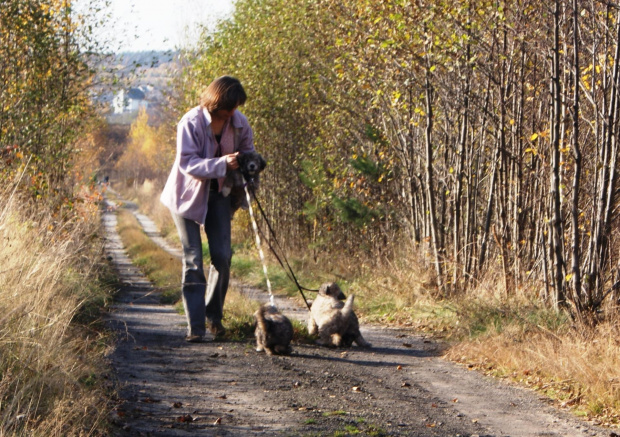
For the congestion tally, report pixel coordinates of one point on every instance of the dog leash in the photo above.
(287, 268)
(258, 245)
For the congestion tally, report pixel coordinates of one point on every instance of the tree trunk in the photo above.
(430, 190)
(576, 256)
(557, 240)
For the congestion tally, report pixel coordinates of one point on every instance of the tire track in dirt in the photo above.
(401, 386)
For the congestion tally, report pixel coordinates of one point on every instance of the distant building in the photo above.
(129, 102)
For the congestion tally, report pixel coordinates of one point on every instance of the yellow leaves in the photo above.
(143, 151)
(396, 97)
(586, 84)
(537, 135)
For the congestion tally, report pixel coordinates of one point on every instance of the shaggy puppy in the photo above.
(274, 331)
(250, 166)
(333, 320)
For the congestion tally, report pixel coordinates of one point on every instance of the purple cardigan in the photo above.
(186, 192)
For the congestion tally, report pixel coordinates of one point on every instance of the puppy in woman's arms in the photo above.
(250, 166)
(334, 320)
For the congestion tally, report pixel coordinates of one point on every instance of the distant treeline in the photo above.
(149, 58)
(482, 133)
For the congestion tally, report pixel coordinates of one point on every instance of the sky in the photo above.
(143, 25)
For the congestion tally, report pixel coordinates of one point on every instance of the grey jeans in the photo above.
(199, 309)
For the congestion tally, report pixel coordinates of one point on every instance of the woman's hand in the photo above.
(231, 161)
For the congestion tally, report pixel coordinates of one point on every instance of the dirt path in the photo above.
(401, 386)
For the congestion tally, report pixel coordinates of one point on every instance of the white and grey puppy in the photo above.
(334, 320)
(250, 166)
(274, 331)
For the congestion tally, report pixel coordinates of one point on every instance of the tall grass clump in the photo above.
(516, 336)
(50, 383)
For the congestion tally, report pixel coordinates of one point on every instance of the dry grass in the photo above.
(50, 366)
(576, 366)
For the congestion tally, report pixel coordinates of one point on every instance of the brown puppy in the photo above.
(333, 320)
(274, 331)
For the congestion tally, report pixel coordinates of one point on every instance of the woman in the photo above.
(209, 138)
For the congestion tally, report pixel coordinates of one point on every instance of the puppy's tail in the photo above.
(347, 309)
(260, 318)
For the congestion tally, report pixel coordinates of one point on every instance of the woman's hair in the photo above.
(223, 93)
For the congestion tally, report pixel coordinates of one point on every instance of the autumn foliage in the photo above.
(45, 107)
(144, 157)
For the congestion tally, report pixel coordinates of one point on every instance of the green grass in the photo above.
(300, 333)
(479, 318)
(239, 327)
(242, 267)
(335, 413)
(352, 430)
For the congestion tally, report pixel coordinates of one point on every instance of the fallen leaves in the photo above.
(185, 418)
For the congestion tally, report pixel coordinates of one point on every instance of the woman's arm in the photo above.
(194, 158)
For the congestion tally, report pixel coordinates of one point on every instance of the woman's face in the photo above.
(223, 114)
